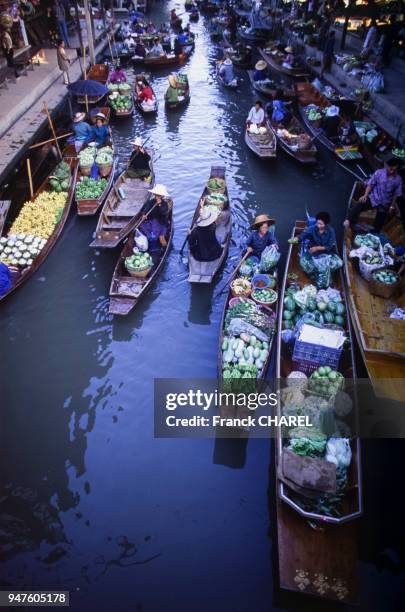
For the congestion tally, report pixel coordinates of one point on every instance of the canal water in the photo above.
(90, 502)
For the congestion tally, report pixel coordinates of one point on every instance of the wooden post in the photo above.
(52, 129)
(85, 78)
(30, 179)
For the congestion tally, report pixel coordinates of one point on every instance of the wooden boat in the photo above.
(126, 290)
(69, 151)
(276, 64)
(119, 216)
(266, 88)
(308, 94)
(379, 150)
(90, 206)
(234, 83)
(185, 98)
(252, 36)
(124, 112)
(26, 273)
(290, 145)
(204, 271)
(381, 339)
(100, 73)
(262, 374)
(163, 61)
(263, 148)
(317, 554)
(147, 109)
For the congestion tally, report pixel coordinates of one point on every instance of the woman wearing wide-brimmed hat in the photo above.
(260, 73)
(155, 222)
(139, 161)
(83, 132)
(101, 132)
(261, 236)
(226, 71)
(172, 92)
(202, 240)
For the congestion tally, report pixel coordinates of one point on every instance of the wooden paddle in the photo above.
(44, 142)
(144, 217)
(359, 178)
(190, 229)
(230, 279)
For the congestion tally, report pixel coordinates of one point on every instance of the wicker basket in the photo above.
(85, 170)
(383, 290)
(219, 189)
(140, 273)
(104, 169)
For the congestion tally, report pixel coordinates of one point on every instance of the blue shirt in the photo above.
(100, 134)
(260, 75)
(259, 242)
(315, 238)
(83, 132)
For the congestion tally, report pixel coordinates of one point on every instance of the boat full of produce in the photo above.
(95, 178)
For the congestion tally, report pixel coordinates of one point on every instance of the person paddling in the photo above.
(202, 240)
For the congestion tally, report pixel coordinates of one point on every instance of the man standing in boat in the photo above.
(382, 191)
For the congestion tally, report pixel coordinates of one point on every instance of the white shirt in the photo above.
(256, 116)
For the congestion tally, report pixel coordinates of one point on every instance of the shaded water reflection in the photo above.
(86, 492)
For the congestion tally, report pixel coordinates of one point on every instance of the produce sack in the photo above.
(320, 268)
(308, 476)
(269, 258)
(338, 451)
(141, 241)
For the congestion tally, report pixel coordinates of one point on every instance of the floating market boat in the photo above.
(91, 193)
(122, 209)
(23, 273)
(294, 140)
(252, 36)
(308, 95)
(147, 109)
(267, 88)
(380, 338)
(99, 73)
(204, 271)
(264, 317)
(275, 59)
(123, 105)
(184, 93)
(262, 145)
(316, 532)
(234, 84)
(376, 145)
(162, 61)
(126, 290)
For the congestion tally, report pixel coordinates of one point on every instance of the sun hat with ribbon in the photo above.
(172, 80)
(159, 190)
(261, 219)
(260, 65)
(78, 117)
(207, 217)
(228, 62)
(137, 142)
(100, 116)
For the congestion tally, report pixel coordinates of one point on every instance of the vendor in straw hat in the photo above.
(83, 132)
(202, 240)
(289, 58)
(139, 161)
(226, 71)
(260, 73)
(160, 203)
(262, 235)
(172, 92)
(101, 132)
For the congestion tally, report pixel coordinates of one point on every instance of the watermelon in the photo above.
(322, 306)
(311, 305)
(340, 309)
(287, 315)
(288, 324)
(332, 306)
(339, 320)
(328, 317)
(289, 304)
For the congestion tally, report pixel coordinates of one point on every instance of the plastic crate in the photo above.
(307, 357)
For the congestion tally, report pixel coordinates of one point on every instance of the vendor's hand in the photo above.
(346, 223)
(362, 199)
(249, 250)
(189, 232)
(313, 250)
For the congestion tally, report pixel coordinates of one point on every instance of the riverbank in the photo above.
(21, 105)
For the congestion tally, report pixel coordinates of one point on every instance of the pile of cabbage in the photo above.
(86, 157)
(104, 156)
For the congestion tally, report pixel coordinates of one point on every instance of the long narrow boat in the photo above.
(184, 98)
(264, 146)
(146, 109)
(276, 64)
(308, 94)
(269, 311)
(27, 272)
(162, 61)
(317, 551)
(204, 271)
(126, 290)
(90, 206)
(119, 214)
(267, 88)
(294, 140)
(380, 338)
(99, 73)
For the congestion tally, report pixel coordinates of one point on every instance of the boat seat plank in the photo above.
(129, 209)
(129, 286)
(115, 225)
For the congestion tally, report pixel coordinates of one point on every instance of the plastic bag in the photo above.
(338, 451)
(238, 326)
(301, 297)
(320, 267)
(141, 241)
(269, 258)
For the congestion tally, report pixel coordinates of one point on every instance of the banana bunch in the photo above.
(40, 216)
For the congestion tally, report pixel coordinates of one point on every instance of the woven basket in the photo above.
(219, 189)
(383, 290)
(85, 170)
(140, 273)
(104, 169)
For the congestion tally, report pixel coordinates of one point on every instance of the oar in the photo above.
(230, 279)
(359, 178)
(362, 171)
(190, 229)
(40, 144)
(144, 217)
